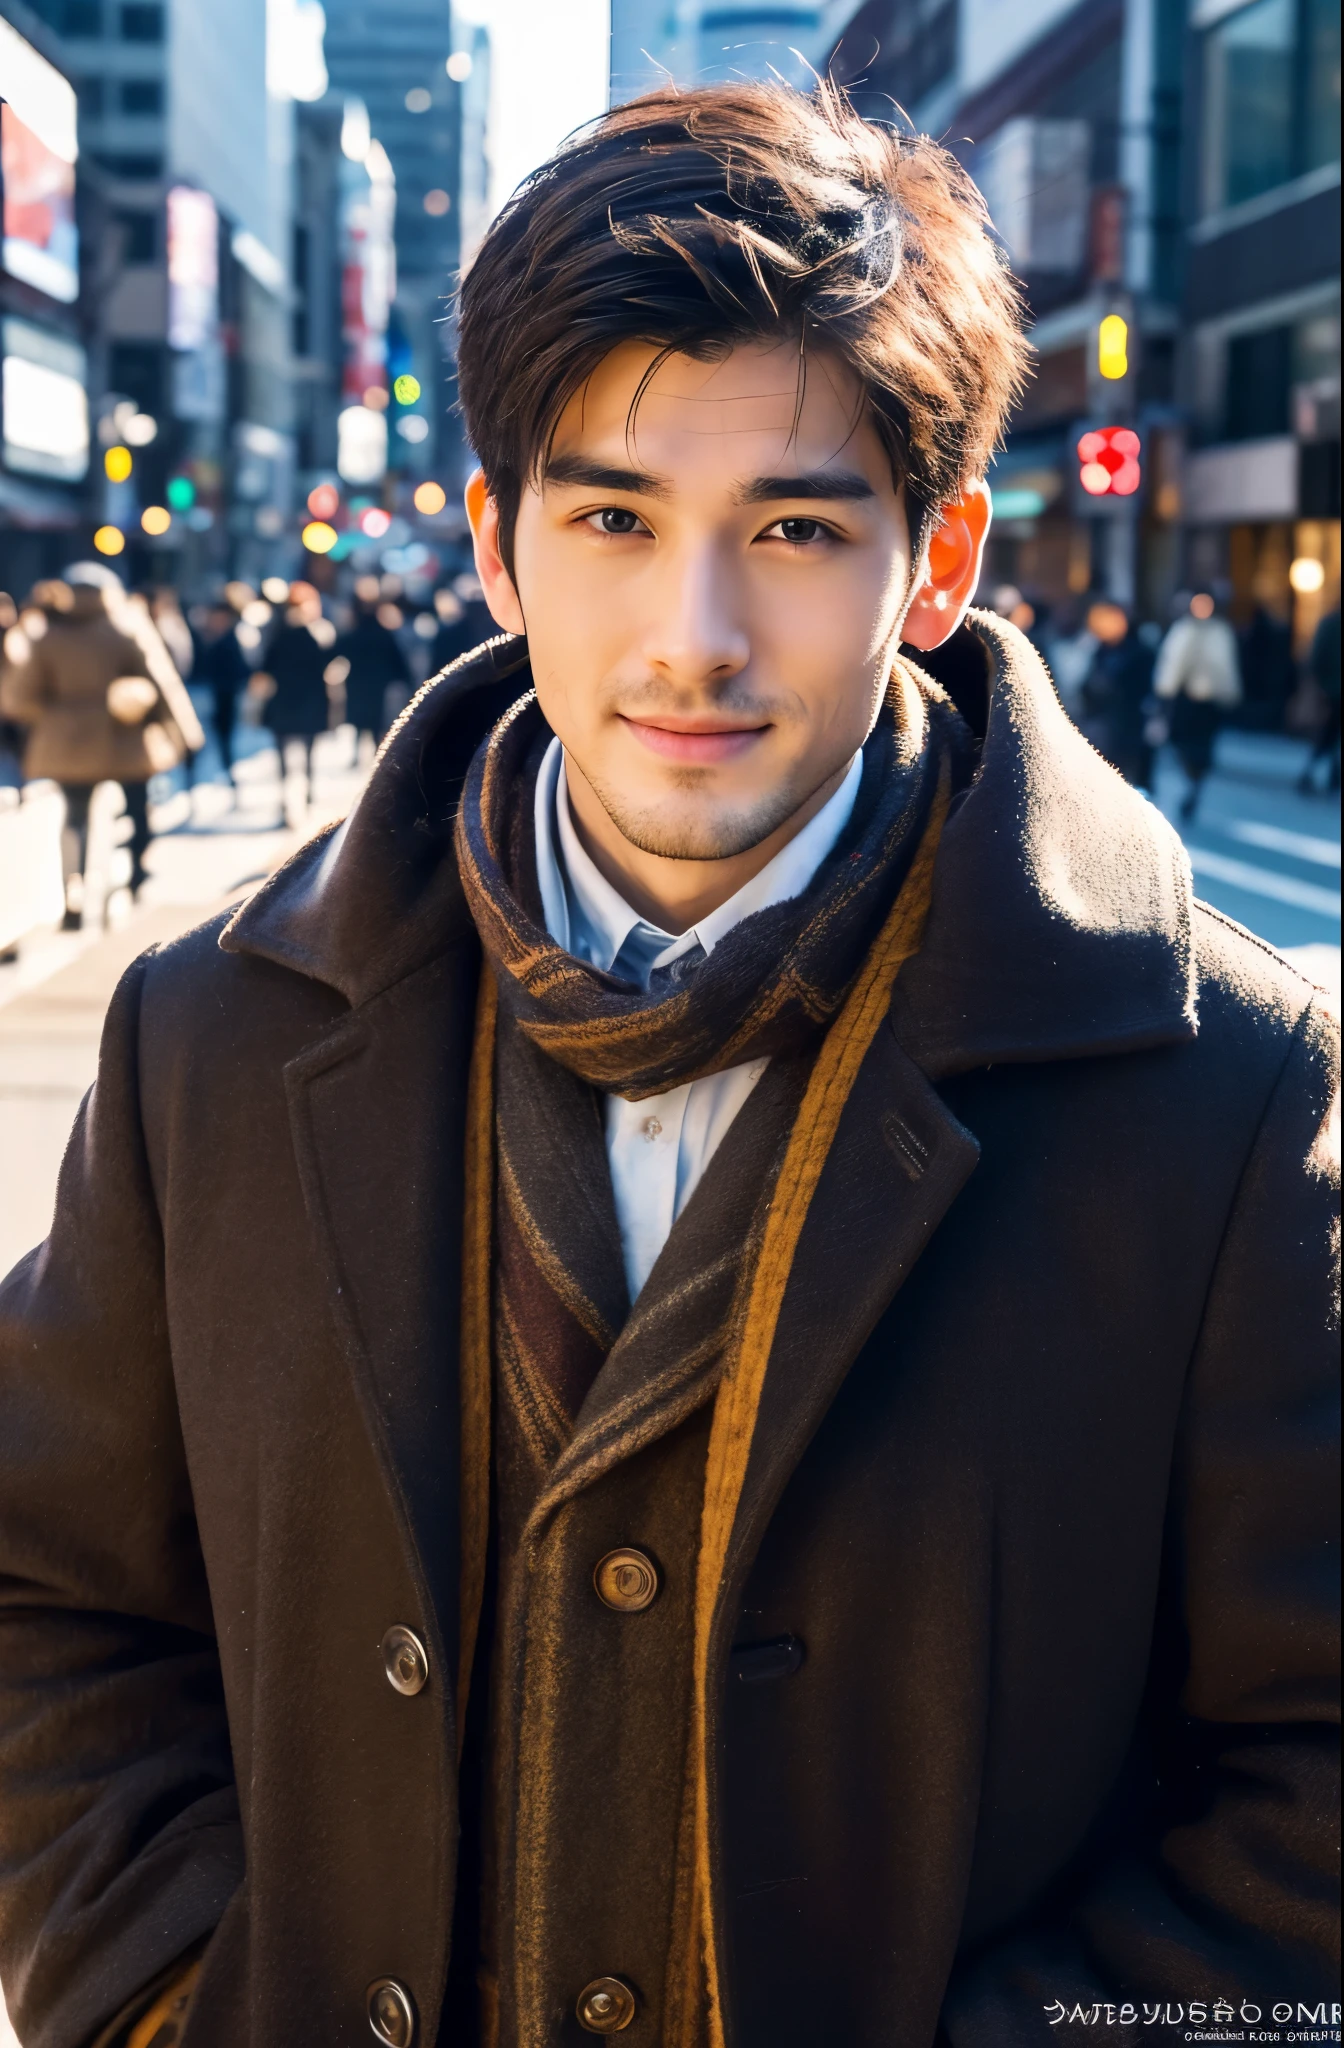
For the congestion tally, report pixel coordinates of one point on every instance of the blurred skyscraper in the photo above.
(698, 41)
(393, 56)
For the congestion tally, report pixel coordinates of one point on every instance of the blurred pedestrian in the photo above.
(376, 662)
(293, 677)
(1116, 693)
(1323, 669)
(1069, 645)
(222, 667)
(104, 703)
(173, 629)
(1199, 677)
(464, 621)
(1267, 676)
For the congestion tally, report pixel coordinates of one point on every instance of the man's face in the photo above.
(711, 591)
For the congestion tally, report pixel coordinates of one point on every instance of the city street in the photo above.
(1262, 853)
(210, 851)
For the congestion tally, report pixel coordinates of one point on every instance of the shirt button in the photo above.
(391, 2014)
(652, 1129)
(406, 1661)
(606, 2006)
(626, 1580)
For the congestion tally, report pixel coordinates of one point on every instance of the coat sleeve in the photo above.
(120, 1841)
(1217, 1876)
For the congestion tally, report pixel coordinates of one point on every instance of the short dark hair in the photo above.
(700, 220)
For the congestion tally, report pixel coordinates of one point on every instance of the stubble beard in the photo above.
(707, 834)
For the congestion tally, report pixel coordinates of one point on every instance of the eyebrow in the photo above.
(812, 483)
(602, 476)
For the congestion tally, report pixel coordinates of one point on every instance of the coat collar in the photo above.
(1061, 916)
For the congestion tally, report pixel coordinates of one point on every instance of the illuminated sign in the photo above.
(193, 268)
(38, 152)
(46, 408)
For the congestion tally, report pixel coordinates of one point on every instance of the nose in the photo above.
(695, 632)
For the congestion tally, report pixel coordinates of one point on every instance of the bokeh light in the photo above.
(1306, 575)
(375, 522)
(318, 537)
(406, 390)
(324, 501)
(436, 202)
(417, 100)
(181, 493)
(109, 540)
(458, 66)
(117, 465)
(430, 498)
(275, 589)
(156, 519)
(375, 398)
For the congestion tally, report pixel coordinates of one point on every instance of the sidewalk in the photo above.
(210, 852)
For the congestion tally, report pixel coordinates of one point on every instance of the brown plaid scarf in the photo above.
(770, 987)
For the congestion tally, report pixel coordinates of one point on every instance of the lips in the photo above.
(697, 744)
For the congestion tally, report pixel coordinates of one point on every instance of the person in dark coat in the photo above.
(1117, 692)
(464, 622)
(682, 1385)
(222, 666)
(293, 676)
(375, 660)
(1323, 668)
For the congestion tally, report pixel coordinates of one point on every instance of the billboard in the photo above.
(46, 410)
(193, 268)
(37, 155)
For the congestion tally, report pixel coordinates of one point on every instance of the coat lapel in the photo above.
(377, 1111)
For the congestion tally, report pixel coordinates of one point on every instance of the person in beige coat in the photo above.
(104, 703)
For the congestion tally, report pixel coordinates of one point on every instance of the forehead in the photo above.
(760, 409)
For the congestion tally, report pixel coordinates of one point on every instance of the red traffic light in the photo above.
(1108, 460)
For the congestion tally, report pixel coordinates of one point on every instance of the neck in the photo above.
(670, 893)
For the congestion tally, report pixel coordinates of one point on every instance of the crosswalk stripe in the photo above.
(1243, 874)
(1322, 853)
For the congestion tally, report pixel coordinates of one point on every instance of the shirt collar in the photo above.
(589, 918)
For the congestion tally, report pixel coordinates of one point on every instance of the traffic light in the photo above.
(1113, 348)
(1108, 462)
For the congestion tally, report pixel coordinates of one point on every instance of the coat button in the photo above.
(607, 2005)
(406, 1662)
(391, 2014)
(626, 1580)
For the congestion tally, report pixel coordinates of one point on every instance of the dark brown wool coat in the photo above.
(1041, 1489)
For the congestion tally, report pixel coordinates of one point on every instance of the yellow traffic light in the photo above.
(1113, 347)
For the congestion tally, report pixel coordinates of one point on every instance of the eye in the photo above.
(617, 519)
(800, 532)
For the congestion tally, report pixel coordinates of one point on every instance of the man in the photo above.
(374, 660)
(719, 1432)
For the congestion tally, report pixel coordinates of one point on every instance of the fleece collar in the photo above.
(1060, 924)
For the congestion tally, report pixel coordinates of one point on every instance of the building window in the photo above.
(91, 99)
(142, 23)
(1271, 87)
(142, 96)
(141, 169)
(142, 236)
(1258, 370)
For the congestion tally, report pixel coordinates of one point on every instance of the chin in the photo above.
(674, 829)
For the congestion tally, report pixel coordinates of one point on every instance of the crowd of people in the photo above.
(93, 682)
(1134, 687)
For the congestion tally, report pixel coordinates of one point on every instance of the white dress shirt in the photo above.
(659, 1147)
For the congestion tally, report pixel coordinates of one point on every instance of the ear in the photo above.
(496, 582)
(951, 570)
